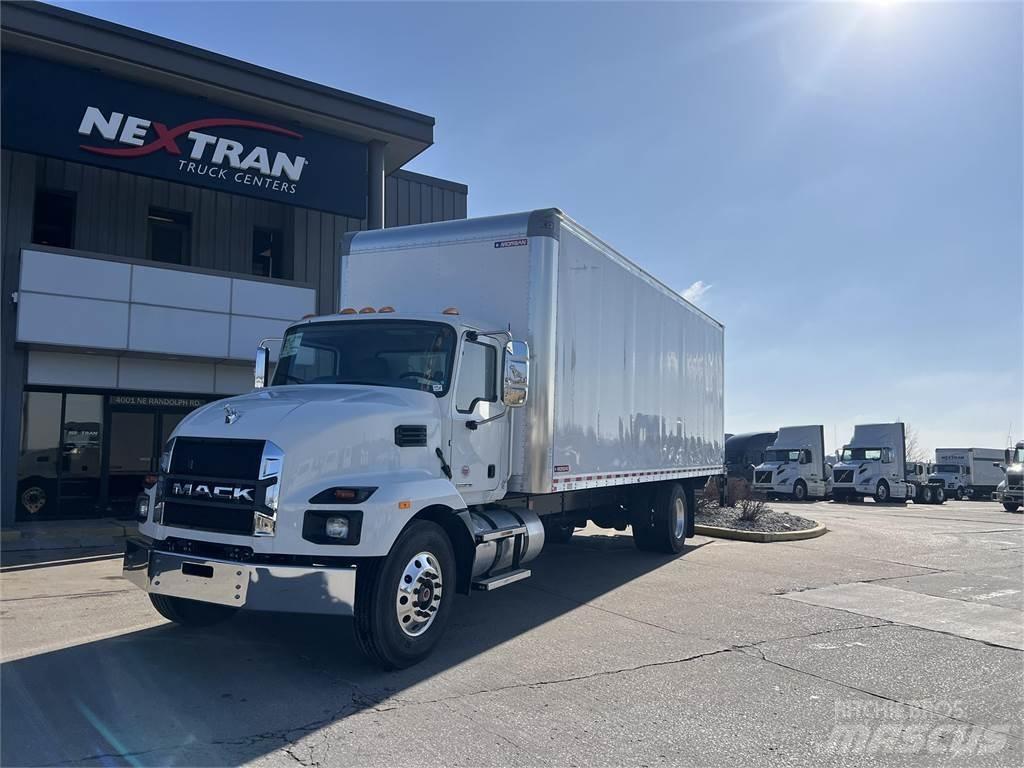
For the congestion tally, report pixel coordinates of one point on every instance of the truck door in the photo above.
(477, 455)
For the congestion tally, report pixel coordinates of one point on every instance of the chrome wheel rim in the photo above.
(799, 492)
(679, 517)
(419, 594)
(883, 492)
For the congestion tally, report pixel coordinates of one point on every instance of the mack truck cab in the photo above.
(1010, 492)
(873, 464)
(794, 465)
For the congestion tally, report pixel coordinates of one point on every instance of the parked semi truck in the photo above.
(927, 490)
(968, 472)
(794, 465)
(489, 385)
(874, 464)
(1010, 491)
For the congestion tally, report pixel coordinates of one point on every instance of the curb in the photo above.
(760, 536)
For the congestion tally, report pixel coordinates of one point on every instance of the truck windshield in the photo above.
(777, 455)
(862, 454)
(952, 469)
(388, 353)
(1018, 456)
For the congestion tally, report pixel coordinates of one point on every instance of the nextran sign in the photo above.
(87, 117)
(224, 155)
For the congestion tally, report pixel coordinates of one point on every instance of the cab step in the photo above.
(501, 579)
(501, 533)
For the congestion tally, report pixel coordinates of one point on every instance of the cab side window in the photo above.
(478, 376)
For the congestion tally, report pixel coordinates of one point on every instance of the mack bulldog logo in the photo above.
(224, 155)
(213, 492)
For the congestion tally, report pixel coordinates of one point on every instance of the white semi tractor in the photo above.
(968, 472)
(794, 465)
(489, 384)
(874, 464)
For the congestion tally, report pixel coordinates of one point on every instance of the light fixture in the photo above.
(336, 527)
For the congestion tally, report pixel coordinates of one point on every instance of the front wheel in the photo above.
(882, 492)
(404, 602)
(960, 494)
(190, 613)
(1011, 506)
(800, 490)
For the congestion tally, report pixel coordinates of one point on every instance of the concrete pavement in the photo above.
(733, 653)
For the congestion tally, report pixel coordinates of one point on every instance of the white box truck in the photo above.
(968, 472)
(873, 464)
(794, 465)
(488, 384)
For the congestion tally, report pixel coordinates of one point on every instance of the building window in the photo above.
(267, 253)
(170, 236)
(53, 219)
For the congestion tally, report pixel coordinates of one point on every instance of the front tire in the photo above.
(1011, 506)
(403, 603)
(960, 494)
(190, 613)
(882, 492)
(800, 491)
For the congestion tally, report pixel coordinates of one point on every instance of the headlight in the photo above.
(336, 527)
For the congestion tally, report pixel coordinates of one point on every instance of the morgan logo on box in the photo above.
(510, 243)
(203, 153)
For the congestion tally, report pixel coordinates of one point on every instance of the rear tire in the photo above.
(190, 613)
(800, 491)
(927, 494)
(663, 527)
(940, 495)
(558, 533)
(396, 622)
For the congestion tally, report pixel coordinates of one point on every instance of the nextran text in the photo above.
(239, 177)
(135, 132)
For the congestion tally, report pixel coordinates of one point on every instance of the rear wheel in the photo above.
(662, 526)
(940, 495)
(403, 603)
(558, 532)
(800, 490)
(190, 613)
(927, 494)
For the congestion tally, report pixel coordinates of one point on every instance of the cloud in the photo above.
(696, 291)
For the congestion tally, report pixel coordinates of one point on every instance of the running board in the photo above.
(501, 579)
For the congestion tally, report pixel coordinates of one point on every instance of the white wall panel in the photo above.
(74, 276)
(165, 375)
(233, 379)
(178, 331)
(62, 368)
(285, 302)
(248, 332)
(177, 288)
(72, 322)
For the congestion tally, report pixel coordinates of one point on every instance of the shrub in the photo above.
(751, 509)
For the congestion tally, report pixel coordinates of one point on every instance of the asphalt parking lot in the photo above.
(895, 639)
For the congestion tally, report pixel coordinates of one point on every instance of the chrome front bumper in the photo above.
(285, 588)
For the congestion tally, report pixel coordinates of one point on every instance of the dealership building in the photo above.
(165, 209)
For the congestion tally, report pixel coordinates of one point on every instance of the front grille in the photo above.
(1014, 481)
(214, 485)
(843, 476)
(217, 458)
(208, 518)
(763, 476)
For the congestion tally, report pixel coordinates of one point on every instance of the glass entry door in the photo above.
(136, 442)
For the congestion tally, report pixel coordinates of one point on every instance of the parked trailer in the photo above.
(794, 465)
(492, 383)
(968, 472)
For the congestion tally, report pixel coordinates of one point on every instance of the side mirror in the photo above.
(262, 368)
(1006, 457)
(516, 374)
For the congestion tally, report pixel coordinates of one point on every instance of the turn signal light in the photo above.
(343, 496)
(450, 311)
(348, 311)
(385, 310)
(367, 311)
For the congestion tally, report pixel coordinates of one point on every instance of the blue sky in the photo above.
(840, 184)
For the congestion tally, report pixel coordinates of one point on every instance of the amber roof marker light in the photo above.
(450, 311)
